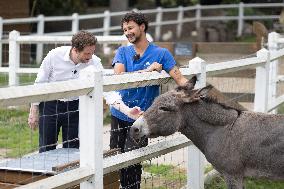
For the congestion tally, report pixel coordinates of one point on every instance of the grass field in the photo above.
(16, 138)
(168, 176)
(24, 79)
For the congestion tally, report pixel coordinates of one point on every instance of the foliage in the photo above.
(170, 3)
(58, 7)
(231, 1)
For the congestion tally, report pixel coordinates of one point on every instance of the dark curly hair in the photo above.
(82, 39)
(138, 18)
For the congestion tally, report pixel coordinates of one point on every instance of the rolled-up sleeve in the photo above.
(168, 61)
(112, 97)
(119, 56)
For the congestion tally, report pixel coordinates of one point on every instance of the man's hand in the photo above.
(155, 66)
(33, 117)
(135, 112)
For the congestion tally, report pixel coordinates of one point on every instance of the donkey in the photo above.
(237, 142)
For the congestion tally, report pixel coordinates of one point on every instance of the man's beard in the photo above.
(134, 39)
(83, 60)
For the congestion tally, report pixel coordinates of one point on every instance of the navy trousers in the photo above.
(53, 116)
(130, 177)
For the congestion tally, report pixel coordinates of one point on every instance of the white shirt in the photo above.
(57, 66)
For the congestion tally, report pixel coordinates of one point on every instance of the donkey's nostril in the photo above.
(136, 130)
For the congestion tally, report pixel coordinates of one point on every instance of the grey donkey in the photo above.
(238, 143)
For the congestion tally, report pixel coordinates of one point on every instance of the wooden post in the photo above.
(198, 16)
(91, 129)
(180, 19)
(262, 82)
(196, 159)
(240, 19)
(75, 23)
(14, 58)
(159, 18)
(106, 22)
(1, 34)
(273, 69)
(40, 31)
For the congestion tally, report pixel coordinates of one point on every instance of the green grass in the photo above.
(219, 183)
(16, 138)
(247, 39)
(164, 174)
(24, 79)
(166, 171)
(280, 109)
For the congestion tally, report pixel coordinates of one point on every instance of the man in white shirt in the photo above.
(62, 63)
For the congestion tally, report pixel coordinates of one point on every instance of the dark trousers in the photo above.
(54, 115)
(130, 177)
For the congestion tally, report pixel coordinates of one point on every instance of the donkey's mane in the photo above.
(215, 96)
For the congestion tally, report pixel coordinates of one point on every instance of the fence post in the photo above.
(273, 69)
(40, 31)
(14, 58)
(262, 82)
(107, 25)
(240, 19)
(91, 129)
(106, 22)
(198, 16)
(1, 35)
(75, 23)
(196, 159)
(159, 18)
(180, 19)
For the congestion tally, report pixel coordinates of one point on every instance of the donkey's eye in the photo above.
(167, 109)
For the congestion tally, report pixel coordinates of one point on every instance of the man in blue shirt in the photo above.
(141, 56)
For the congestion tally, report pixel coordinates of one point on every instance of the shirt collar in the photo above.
(67, 55)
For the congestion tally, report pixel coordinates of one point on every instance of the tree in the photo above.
(57, 7)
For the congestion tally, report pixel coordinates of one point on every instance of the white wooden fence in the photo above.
(91, 83)
(181, 19)
(15, 40)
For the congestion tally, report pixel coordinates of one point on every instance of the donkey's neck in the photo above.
(204, 119)
(197, 131)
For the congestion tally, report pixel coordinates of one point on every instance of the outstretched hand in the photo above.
(33, 118)
(135, 112)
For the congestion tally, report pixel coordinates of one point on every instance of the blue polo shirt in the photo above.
(142, 96)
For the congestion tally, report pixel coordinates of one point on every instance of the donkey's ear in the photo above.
(191, 83)
(187, 98)
(203, 92)
(196, 95)
(188, 86)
